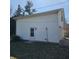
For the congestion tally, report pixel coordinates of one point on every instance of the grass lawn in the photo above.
(38, 50)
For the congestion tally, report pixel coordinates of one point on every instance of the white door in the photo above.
(41, 33)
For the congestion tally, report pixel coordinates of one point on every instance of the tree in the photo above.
(28, 8)
(11, 10)
(12, 26)
(18, 11)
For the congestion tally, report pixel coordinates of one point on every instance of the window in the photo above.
(32, 32)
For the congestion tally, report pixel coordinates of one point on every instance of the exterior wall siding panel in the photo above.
(46, 28)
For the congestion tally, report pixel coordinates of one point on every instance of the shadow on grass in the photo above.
(38, 50)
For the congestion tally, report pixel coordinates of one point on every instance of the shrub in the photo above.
(15, 38)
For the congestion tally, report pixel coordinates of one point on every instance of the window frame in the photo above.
(32, 32)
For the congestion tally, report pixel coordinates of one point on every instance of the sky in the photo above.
(43, 5)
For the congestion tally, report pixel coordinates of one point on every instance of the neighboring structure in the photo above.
(46, 26)
(66, 30)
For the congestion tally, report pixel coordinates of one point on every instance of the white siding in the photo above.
(61, 23)
(40, 23)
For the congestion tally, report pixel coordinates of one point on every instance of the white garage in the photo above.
(46, 26)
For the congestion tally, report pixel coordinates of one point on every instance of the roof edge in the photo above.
(38, 14)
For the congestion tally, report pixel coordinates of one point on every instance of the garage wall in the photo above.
(61, 22)
(40, 22)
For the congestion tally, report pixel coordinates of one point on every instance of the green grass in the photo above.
(38, 51)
